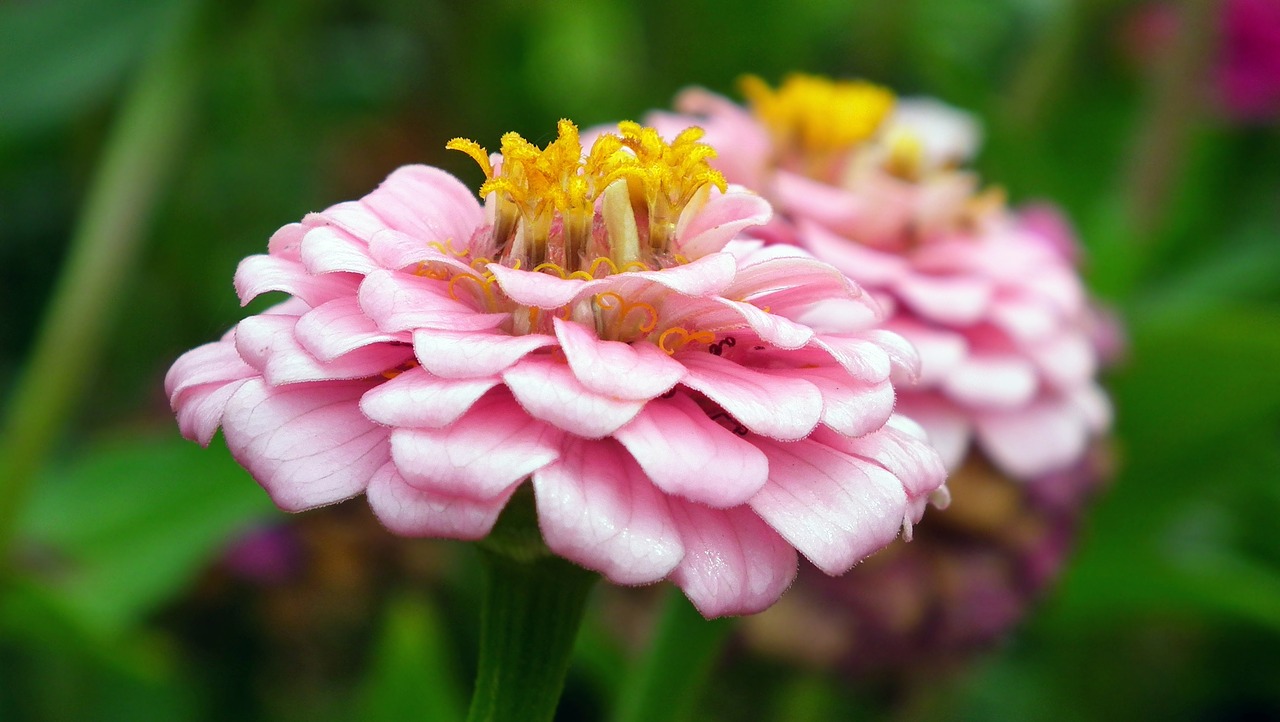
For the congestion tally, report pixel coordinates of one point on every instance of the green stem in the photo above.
(666, 685)
(141, 150)
(532, 607)
(1176, 104)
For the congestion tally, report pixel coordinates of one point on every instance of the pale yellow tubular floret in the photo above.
(620, 223)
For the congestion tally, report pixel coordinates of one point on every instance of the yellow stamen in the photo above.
(683, 338)
(446, 247)
(534, 185)
(811, 115)
(906, 155)
(396, 371)
(625, 307)
(435, 271)
(473, 149)
(482, 283)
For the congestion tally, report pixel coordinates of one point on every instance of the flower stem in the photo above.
(532, 607)
(1175, 106)
(666, 685)
(140, 151)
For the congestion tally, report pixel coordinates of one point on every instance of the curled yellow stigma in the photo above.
(813, 115)
(642, 179)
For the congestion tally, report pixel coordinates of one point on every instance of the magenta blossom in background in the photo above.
(686, 405)
(991, 299)
(1242, 76)
(1248, 69)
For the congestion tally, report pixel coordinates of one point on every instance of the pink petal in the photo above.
(268, 343)
(327, 249)
(940, 349)
(596, 507)
(709, 274)
(338, 327)
(535, 288)
(481, 455)
(1026, 443)
(916, 464)
(778, 407)
(722, 218)
(777, 330)
(992, 382)
(833, 507)
(474, 354)
(395, 250)
(257, 275)
(416, 398)
(354, 217)
(687, 454)
(1094, 404)
(409, 511)
(200, 409)
(948, 428)
(955, 300)
(864, 264)
(287, 242)
(307, 444)
(843, 315)
(733, 562)
(1025, 319)
(840, 210)
(402, 302)
(548, 390)
(211, 363)
(863, 359)
(636, 371)
(1065, 360)
(427, 203)
(767, 277)
(902, 355)
(849, 406)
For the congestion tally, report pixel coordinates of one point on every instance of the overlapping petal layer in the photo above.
(664, 414)
(994, 306)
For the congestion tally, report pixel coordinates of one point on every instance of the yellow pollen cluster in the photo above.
(906, 155)
(642, 179)
(812, 115)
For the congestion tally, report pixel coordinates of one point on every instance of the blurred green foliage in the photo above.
(1171, 609)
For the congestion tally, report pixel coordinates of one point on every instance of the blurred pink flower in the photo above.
(963, 584)
(684, 403)
(1248, 68)
(992, 303)
(1243, 74)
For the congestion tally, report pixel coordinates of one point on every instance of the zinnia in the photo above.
(683, 403)
(997, 311)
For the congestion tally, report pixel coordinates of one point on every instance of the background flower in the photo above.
(994, 305)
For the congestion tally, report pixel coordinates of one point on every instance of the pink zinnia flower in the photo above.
(1248, 70)
(680, 401)
(997, 311)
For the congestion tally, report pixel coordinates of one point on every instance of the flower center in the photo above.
(560, 211)
(814, 120)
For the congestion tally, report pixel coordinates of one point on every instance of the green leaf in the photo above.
(1192, 379)
(412, 675)
(130, 523)
(58, 58)
(56, 668)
